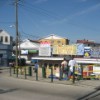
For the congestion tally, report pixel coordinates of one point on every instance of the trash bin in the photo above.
(30, 71)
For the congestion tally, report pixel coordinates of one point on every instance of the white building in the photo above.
(5, 48)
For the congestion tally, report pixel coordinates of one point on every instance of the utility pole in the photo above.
(17, 35)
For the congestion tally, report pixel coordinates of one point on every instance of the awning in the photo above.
(48, 58)
(32, 51)
(87, 61)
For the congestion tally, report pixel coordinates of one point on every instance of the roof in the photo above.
(2, 32)
(27, 44)
(35, 41)
(52, 36)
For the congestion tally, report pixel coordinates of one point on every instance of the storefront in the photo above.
(47, 63)
(90, 67)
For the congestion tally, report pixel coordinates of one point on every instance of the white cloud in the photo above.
(90, 9)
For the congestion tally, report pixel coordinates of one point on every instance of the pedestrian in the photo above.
(36, 67)
(71, 65)
(64, 68)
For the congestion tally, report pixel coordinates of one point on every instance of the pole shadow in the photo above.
(7, 90)
(91, 95)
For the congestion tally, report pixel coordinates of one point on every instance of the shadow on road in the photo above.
(7, 90)
(91, 95)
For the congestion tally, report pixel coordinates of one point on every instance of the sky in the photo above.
(72, 19)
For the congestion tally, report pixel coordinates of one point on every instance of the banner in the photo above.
(24, 51)
(65, 50)
(87, 51)
(45, 49)
(80, 49)
(95, 52)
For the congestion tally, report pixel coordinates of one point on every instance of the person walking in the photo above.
(71, 65)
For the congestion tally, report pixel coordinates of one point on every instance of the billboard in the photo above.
(45, 49)
(64, 50)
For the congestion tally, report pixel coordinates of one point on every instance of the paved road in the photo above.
(21, 89)
(18, 89)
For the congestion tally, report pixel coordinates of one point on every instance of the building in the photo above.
(55, 40)
(5, 48)
(27, 49)
(91, 48)
(89, 43)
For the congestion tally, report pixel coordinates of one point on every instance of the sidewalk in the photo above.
(89, 83)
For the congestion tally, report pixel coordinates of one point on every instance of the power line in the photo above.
(39, 10)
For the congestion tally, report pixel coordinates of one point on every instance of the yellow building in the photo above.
(55, 40)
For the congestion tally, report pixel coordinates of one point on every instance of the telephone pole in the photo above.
(17, 35)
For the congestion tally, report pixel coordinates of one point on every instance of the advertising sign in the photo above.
(80, 49)
(24, 51)
(87, 51)
(45, 49)
(95, 52)
(65, 50)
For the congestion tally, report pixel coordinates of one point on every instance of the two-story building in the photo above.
(5, 48)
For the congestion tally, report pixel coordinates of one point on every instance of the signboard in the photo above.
(45, 49)
(32, 51)
(96, 70)
(87, 51)
(24, 51)
(65, 50)
(80, 49)
(95, 52)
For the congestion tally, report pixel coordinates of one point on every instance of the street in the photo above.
(20, 89)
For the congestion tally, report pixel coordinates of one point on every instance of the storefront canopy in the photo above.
(87, 61)
(48, 58)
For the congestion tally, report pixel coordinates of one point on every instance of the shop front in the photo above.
(90, 67)
(46, 64)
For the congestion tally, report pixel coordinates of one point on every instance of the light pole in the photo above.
(16, 8)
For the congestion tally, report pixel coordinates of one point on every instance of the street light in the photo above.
(16, 6)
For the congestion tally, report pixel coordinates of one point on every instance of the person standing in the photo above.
(36, 67)
(64, 68)
(71, 65)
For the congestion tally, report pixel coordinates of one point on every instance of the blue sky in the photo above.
(72, 19)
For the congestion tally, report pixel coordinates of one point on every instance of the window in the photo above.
(59, 42)
(6, 39)
(1, 39)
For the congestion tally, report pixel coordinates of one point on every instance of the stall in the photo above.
(90, 67)
(46, 63)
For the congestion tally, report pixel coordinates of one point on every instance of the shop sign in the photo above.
(95, 52)
(80, 49)
(32, 51)
(65, 50)
(45, 51)
(87, 52)
(24, 51)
